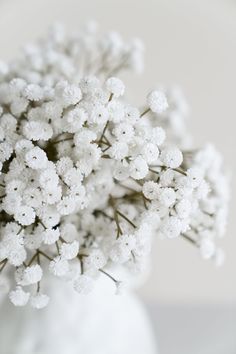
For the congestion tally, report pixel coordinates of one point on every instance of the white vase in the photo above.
(98, 323)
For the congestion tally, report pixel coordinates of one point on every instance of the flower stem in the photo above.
(145, 112)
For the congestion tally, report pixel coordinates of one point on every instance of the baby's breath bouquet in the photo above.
(88, 180)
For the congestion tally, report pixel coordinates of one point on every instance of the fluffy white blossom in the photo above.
(36, 158)
(157, 101)
(59, 266)
(171, 157)
(69, 250)
(19, 297)
(115, 86)
(83, 284)
(39, 301)
(86, 180)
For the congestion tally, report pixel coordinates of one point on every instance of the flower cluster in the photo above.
(87, 179)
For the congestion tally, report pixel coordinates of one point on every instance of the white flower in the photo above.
(85, 180)
(34, 130)
(119, 150)
(36, 158)
(207, 248)
(151, 190)
(138, 168)
(33, 92)
(73, 176)
(68, 94)
(74, 119)
(172, 227)
(167, 196)
(95, 259)
(63, 165)
(59, 266)
(83, 284)
(171, 157)
(25, 215)
(158, 135)
(66, 206)
(18, 106)
(39, 301)
(32, 274)
(157, 101)
(15, 186)
(5, 151)
(119, 254)
(115, 86)
(50, 236)
(23, 145)
(121, 172)
(123, 132)
(183, 208)
(88, 84)
(48, 179)
(116, 111)
(19, 297)
(68, 232)
(69, 250)
(195, 176)
(150, 152)
(17, 256)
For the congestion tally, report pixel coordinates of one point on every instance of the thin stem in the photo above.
(104, 214)
(137, 181)
(62, 140)
(32, 259)
(4, 263)
(119, 231)
(45, 255)
(58, 249)
(107, 148)
(188, 238)
(145, 112)
(180, 171)
(104, 131)
(20, 230)
(40, 221)
(127, 219)
(108, 142)
(38, 287)
(110, 98)
(153, 171)
(144, 201)
(62, 239)
(108, 275)
(126, 187)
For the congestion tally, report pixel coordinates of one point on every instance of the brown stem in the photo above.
(145, 112)
(127, 219)
(4, 263)
(108, 275)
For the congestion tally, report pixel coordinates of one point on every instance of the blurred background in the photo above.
(191, 43)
